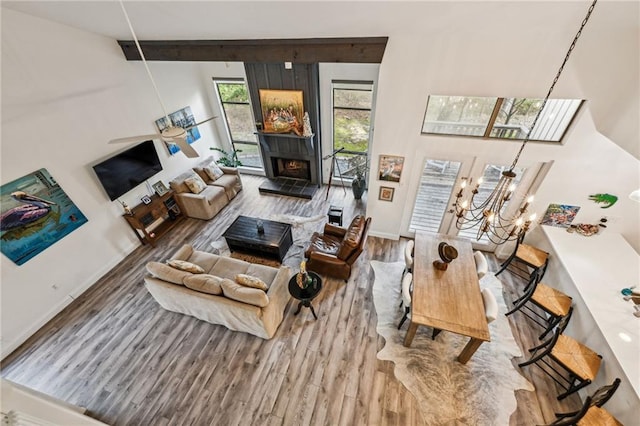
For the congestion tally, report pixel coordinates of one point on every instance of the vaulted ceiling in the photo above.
(615, 27)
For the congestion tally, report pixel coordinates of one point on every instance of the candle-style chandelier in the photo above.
(490, 216)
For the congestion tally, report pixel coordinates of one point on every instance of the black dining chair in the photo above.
(599, 397)
(526, 261)
(553, 303)
(568, 362)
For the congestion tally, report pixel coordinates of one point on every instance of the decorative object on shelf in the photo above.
(386, 193)
(560, 215)
(126, 208)
(303, 279)
(585, 229)
(35, 213)
(260, 226)
(282, 111)
(635, 195)
(182, 118)
(447, 254)
(390, 168)
(174, 134)
(307, 132)
(487, 215)
(229, 159)
(146, 199)
(160, 188)
(607, 199)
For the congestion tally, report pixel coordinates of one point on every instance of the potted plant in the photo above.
(229, 159)
(359, 182)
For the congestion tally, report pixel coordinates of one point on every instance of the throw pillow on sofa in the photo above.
(213, 171)
(251, 281)
(167, 273)
(204, 283)
(195, 184)
(251, 296)
(185, 266)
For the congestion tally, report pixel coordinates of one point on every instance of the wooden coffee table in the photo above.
(243, 236)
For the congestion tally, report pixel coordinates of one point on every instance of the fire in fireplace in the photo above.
(287, 167)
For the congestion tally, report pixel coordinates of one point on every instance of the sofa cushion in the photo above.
(251, 281)
(204, 259)
(351, 237)
(251, 296)
(183, 265)
(195, 184)
(204, 283)
(167, 273)
(228, 267)
(265, 273)
(178, 185)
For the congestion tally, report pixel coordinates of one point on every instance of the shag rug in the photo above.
(301, 230)
(480, 392)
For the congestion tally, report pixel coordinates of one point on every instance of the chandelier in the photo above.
(489, 216)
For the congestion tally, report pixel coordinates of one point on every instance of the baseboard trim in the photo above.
(384, 235)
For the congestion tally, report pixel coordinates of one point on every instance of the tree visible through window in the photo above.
(352, 109)
(505, 118)
(235, 104)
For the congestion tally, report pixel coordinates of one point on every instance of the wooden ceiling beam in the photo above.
(312, 50)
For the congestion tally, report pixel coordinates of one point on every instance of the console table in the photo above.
(151, 221)
(593, 270)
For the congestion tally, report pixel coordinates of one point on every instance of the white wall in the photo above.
(65, 94)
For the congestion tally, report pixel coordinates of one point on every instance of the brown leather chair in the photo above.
(333, 252)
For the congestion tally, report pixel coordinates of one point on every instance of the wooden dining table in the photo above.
(447, 300)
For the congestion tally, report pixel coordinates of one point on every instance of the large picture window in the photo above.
(238, 117)
(352, 112)
(503, 118)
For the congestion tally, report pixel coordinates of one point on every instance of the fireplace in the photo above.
(291, 168)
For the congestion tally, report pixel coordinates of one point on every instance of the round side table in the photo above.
(305, 295)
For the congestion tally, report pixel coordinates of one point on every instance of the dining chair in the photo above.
(568, 362)
(554, 304)
(575, 417)
(408, 256)
(482, 266)
(526, 261)
(490, 305)
(407, 280)
(599, 397)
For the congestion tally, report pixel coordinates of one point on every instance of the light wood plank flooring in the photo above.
(129, 362)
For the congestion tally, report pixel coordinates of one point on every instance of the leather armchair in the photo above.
(334, 251)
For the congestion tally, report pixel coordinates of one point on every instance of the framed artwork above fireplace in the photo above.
(282, 111)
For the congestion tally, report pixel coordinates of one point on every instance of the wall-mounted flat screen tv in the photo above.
(122, 172)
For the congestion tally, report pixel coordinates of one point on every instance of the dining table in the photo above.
(447, 300)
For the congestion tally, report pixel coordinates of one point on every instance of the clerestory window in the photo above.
(503, 118)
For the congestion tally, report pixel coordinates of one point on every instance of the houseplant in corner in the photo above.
(228, 159)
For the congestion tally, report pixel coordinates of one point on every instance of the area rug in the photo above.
(301, 230)
(449, 393)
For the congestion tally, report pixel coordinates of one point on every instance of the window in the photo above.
(240, 125)
(352, 110)
(503, 118)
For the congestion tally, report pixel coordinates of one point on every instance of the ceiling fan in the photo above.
(171, 134)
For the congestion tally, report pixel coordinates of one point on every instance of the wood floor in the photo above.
(129, 362)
